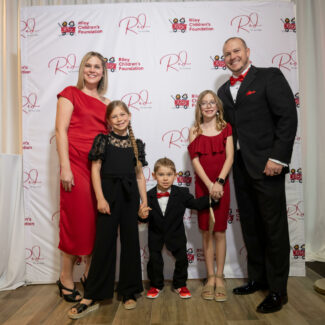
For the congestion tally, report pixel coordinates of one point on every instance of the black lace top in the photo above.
(111, 147)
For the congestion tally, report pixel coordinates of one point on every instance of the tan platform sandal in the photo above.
(220, 294)
(208, 290)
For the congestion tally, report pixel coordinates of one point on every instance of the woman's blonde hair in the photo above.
(220, 122)
(103, 83)
(118, 103)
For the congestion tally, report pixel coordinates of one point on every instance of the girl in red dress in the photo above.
(211, 150)
(80, 116)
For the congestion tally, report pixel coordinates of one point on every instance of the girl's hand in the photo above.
(143, 211)
(103, 206)
(67, 179)
(217, 191)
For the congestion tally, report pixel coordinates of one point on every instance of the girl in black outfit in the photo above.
(119, 183)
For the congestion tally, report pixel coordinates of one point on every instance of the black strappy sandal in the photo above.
(83, 310)
(71, 297)
(83, 281)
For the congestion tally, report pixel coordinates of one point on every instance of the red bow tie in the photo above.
(159, 195)
(234, 80)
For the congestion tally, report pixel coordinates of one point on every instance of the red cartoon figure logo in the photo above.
(63, 64)
(298, 251)
(181, 101)
(178, 25)
(133, 24)
(110, 64)
(289, 25)
(218, 62)
(190, 255)
(245, 23)
(297, 101)
(296, 175)
(184, 178)
(175, 61)
(68, 28)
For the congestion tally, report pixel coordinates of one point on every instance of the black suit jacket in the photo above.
(169, 228)
(263, 119)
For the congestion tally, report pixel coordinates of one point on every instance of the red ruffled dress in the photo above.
(78, 208)
(211, 151)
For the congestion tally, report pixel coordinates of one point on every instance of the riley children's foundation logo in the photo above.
(176, 138)
(298, 251)
(218, 62)
(27, 145)
(110, 64)
(295, 211)
(181, 101)
(134, 24)
(190, 255)
(70, 27)
(184, 178)
(289, 25)
(193, 25)
(31, 179)
(296, 175)
(297, 100)
(175, 61)
(246, 23)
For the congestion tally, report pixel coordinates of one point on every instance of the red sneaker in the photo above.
(153, 293)
(183, 293)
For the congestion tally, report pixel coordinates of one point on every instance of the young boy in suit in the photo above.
(165, 211)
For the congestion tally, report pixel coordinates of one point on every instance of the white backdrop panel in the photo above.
(151, 60)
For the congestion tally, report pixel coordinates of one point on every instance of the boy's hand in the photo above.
(143, 211)
(103, 206)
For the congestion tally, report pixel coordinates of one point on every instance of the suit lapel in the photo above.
(228, 97)
(154, 201)
(250, 77)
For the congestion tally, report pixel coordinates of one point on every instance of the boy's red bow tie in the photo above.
(159, 195)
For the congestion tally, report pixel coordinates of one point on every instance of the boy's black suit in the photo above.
(264, 122)
(169, 229)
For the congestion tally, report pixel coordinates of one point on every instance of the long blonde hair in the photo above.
(103, 83)
(109, 110)
(220, 122)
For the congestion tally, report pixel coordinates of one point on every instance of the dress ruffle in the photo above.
(141, 152)
(99, 147)
(203, 145)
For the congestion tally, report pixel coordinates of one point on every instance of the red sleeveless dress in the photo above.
(78, 208)
(212, 155)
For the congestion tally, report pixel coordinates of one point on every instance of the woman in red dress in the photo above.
(211, 150)
(80, 117)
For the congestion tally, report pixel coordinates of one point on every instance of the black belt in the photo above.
(125, 180)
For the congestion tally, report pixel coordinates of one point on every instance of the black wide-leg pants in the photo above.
(264, 222)
(101, 277)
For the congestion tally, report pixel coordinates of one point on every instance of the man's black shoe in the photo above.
(273, 302)
(249, 288)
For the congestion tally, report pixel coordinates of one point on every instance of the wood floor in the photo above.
(40, 304)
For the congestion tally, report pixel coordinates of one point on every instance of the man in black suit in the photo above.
(260, 106)
(167, 204)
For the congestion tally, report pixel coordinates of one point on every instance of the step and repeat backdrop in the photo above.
(160, 56)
